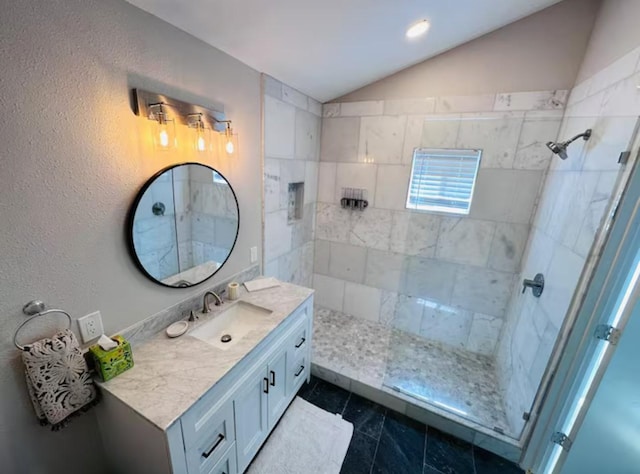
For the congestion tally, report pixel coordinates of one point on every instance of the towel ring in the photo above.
(33, 309)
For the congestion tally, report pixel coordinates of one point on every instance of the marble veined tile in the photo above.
(339, 139)
(410, 106)
(464, 240)
(469, 103)
(292, 96)
(279, 128)
(321, 256)
(429, 278)
(371, 228)
(381, 139)
(542, 100)
(446, 324)
(622, 99)
(332, 223)
(362, 301)
(392, 185)
(482, 290)
(331, 110)
(598, 205)
(496, 135)
(414, 233)
(532, 152)
(508, 246)
(272, 87)
(484, 334)
(327, 182)
(385, 270)
(360, 109)
(347, 262)
(307, 136)
(271, 185)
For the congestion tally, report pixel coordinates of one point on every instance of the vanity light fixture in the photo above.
(202, 122)
(418, 29)
(201, 141)
(165, 130)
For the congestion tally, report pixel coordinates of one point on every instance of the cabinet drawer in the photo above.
(226, 465)
(298, 374)
(215, 434)
(299, 343)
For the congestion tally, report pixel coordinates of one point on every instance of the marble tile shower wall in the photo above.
(443, 277)
(212, 222)
(573, 203)
(157, 234)
(292, 123)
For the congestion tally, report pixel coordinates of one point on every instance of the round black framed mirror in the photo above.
(183, 225)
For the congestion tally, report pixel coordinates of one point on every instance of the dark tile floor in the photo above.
(386, 442)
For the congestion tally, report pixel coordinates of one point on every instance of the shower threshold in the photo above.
(449, 389)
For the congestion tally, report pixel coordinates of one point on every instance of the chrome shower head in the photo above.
(560, 149)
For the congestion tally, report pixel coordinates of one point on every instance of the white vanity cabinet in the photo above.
(223, 431)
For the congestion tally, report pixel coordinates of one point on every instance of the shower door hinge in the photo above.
(608, 333)
(624, 157)
(561, 440)
(526, 415)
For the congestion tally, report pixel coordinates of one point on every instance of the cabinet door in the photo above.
(226, 465)
(250, 408)
(278, 386)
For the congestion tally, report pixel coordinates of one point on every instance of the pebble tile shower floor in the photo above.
(386, 442)
(456, 381)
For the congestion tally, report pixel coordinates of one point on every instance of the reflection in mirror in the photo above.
(184, 225)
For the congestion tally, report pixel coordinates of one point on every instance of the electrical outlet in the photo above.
(254, 254)
(90, 326)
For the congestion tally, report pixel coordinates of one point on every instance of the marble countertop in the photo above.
(170, 375)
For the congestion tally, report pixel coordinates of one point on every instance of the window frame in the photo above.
(448, 210)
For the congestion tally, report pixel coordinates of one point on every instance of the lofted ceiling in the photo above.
(329, 48)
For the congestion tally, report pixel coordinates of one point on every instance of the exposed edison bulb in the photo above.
(229, 146)
(201, 143)
(164, 134)
(163, 137)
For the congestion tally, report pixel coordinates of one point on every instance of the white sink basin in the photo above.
(237, 322)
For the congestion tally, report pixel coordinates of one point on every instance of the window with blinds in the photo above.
(443, 180)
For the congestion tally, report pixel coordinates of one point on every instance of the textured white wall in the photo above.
(73, 156)
(540, 52)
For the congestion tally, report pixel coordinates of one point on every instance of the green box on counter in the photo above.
(110, 364)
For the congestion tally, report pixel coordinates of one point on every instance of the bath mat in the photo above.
(307, 439)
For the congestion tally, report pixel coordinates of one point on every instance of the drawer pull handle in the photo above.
(300, 370)
(273, 378)
(300, 343)
(266, 385)
(215, 445)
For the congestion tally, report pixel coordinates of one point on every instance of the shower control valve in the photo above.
(536, 285)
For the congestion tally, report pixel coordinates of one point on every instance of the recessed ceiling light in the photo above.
(418, 29)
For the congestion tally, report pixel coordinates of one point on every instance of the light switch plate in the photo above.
(90, 326)
(254, 254)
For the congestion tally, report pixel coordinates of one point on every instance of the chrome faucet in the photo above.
(205, 303)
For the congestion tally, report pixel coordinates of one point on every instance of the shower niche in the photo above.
(295, 202)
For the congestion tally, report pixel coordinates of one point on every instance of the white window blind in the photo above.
(443, 180)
